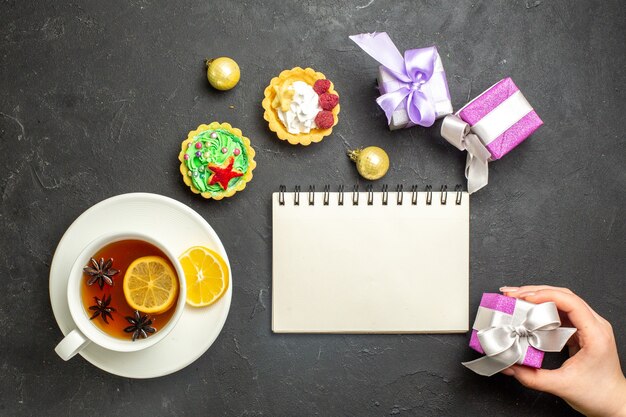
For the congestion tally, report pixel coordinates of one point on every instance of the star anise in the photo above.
(100, 272)
(102, 309)
(140, 325)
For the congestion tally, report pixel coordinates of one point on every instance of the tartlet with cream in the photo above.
(301, 106)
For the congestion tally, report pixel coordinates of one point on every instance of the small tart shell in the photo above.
(309, 76)
(230, 191)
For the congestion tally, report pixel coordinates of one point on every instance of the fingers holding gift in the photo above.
(527, 290)
(579, 313)
(516, 291)
(593, 330)
(538, 379)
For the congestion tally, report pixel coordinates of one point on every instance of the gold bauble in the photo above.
(223, 73)
(371, 162)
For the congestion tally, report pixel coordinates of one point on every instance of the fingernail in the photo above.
(508, 371)
(508, 289)
(526, 294)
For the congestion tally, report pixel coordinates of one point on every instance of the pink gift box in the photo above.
(492, 302)
(501, 117)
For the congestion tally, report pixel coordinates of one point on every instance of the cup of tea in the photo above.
(126, 292)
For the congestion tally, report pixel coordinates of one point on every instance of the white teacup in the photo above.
(87, 332)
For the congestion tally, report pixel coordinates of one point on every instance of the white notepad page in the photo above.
(370, 268)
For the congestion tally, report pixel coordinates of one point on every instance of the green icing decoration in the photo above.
(211, 153)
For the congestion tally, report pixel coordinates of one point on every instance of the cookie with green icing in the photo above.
(216, 160)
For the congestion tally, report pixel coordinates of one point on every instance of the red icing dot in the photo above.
(198, 145)
(186, 157)
(328, 101)
(321, 86)
(224, 150)
(324, 119)
(236, 152)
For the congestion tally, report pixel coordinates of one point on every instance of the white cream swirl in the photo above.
(300, 118)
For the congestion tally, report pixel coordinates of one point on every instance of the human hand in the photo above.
(591, 380)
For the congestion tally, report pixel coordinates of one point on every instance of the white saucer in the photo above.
(180, 227)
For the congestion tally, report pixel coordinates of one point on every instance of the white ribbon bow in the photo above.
(505, 344)
(458, 133)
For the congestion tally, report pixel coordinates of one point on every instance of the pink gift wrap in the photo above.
(509, 128)
(504, 304)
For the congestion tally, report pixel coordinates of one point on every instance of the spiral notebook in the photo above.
(370, 261)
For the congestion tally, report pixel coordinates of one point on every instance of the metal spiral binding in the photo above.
(459, 194)
(458, 189)
(340, 191)
(444, 195)
(370, 195)
(296, 196)
(385, 194)
(281, 195)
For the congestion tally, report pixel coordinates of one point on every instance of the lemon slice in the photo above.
(206, 275)
(150, 285)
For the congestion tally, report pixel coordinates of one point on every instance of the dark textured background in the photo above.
(97, 96)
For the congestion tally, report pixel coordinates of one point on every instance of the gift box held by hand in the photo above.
(509, 331)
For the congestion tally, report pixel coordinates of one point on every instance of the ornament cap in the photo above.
(354, 154)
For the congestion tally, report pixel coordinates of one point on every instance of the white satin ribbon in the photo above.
(505, 115)
(505, 340)
(458, 133)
